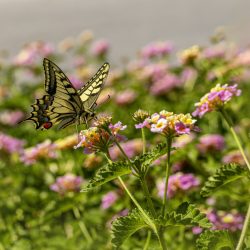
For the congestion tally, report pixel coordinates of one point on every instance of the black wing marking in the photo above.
(91, 90)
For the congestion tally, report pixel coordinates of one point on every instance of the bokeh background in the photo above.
(127, 25)
(40, 172)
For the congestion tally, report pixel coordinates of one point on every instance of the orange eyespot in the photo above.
(47, 125)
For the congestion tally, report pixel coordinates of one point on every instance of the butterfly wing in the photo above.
(90, 92)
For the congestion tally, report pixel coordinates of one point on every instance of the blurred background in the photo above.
(159, 52)
(127, 25)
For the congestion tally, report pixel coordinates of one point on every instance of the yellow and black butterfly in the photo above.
(63, 104)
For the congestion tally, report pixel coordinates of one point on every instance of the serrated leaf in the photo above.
(185, 215)
(124, 227)
(147, 158)
(223, 175)
(215, 239)
(107, 173)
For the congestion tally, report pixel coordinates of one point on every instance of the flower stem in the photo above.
(244, 230)
(148, 197)
(143, 140)
(147, 241)
(146, 217)
(82, 225)
(237, 140)
(167, 172)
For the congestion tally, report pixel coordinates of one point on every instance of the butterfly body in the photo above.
(63, 104)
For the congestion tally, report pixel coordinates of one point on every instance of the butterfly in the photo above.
(63, 104)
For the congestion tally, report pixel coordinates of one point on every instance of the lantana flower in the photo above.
(215, 99)
(101, 137)
(67, 183)
(169, 124)
(45, 149)
(109, 199)
(178, 183)
(10, 144)
(211, 143)
(222, 220)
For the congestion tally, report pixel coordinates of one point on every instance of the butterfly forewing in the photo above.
(91, 90)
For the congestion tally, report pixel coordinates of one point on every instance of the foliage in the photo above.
(223, 176)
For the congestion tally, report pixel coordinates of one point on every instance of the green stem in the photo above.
(237, 140)
(150, 222)
(143, 140)
(147, 241)
(146, 217)
(244, 230)
(82, 225)
(148, 197)
(167, 172)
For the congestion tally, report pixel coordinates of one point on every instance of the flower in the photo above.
(232, 221)
(188, 56)
(140, 115)
(102, 137)
(211, 143)
(234, 157)
(165, 84)
(125, 97)
(131, 148)
(67, 183)
(100, 48)
(215, 99)
(156, 49)
(67, 142)
(11, 118)
(76, 82)
(178, 183)
(169, 124)
(10, 144)
(32, 52)
(45, 149)
(108, 199)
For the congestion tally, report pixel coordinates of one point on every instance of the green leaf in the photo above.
(107, 173)
(124, 227)
(223, 175)
(215, 239)
(185, 215)
(146, 159)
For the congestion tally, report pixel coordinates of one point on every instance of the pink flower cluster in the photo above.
(10, 144)
(97, 139)
(157, 49)
(67, 183)
(169, 124)
(234, 157)
(100, 47)
(211, 143)
(45, 149)
(215, 99)
(125, 97)
(109, 199)
(131, 148)
(165, 84)
(33, 51)
(178, 183)
(222, 220)
(11, 117)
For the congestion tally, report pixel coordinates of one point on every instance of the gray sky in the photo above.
(126, 24)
